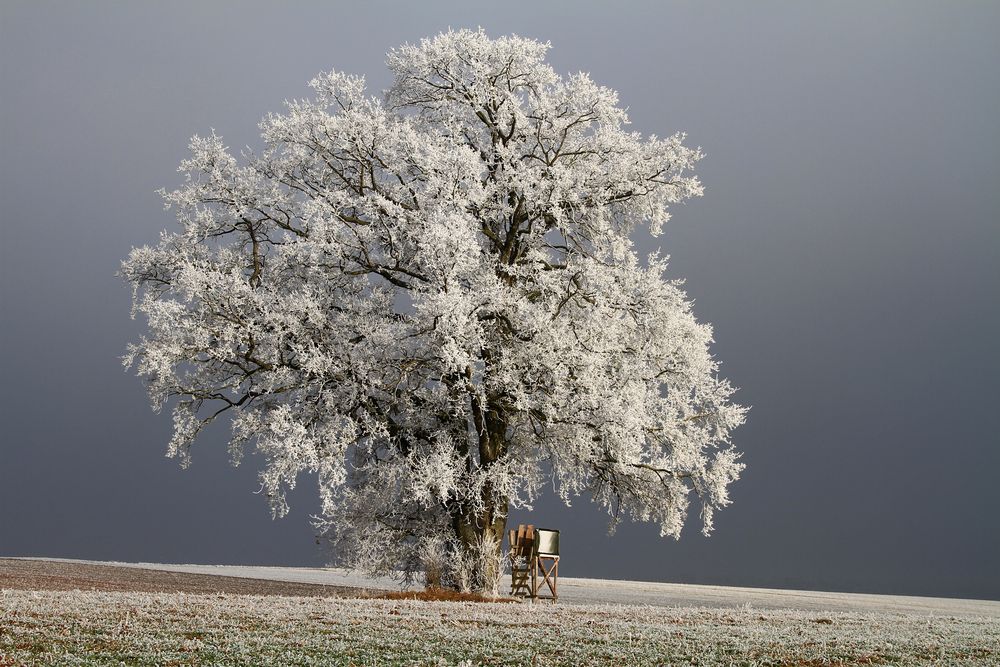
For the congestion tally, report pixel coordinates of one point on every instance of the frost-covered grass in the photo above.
(92, 628)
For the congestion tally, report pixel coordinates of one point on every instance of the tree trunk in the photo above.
(481, 541)
(481, 535)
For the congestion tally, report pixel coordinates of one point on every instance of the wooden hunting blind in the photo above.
(533, 551)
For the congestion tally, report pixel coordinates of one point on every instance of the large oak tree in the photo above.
(431, 301)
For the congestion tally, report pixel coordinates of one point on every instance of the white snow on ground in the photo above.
(603, 591)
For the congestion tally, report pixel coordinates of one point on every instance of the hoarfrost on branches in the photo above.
(431, 302)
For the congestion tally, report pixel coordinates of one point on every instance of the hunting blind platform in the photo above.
(533, 551)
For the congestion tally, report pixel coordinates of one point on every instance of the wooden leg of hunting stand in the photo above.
(551, 575)
(534, 578)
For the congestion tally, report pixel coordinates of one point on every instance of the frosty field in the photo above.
(573, 590)
(112, 628)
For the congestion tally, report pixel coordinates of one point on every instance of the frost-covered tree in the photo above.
(431, 301)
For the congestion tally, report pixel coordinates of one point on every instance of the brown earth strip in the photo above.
(49, 575)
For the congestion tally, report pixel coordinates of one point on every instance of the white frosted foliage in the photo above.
(430, 302)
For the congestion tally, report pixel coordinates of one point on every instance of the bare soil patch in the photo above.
(45, 575)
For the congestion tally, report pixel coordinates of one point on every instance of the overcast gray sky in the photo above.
(847, 251)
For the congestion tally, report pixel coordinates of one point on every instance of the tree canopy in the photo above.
(430, 300)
